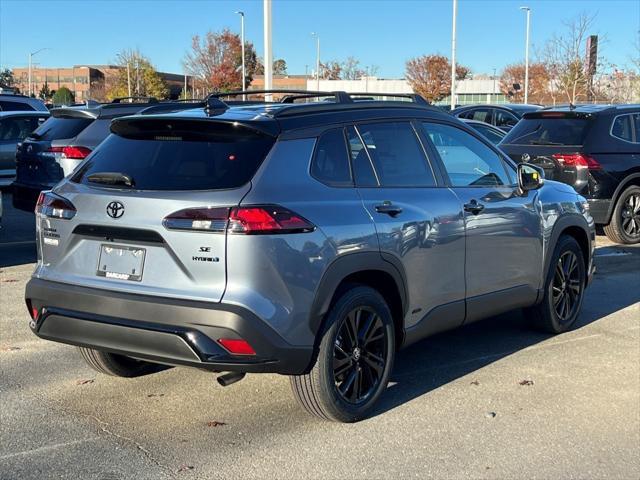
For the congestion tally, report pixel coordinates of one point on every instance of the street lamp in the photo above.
(30, 57)
(453, 55)
(317, 37)
(526, 57)
(244, 76)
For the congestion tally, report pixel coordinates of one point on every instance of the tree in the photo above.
(331, 70)
(351, 69)
(539, 82)
(279, 67)
(430, 76)
(45, 92)
(8, 80)
(138, 76)
(563, 58)
(63, 96)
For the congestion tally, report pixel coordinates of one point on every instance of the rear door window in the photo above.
(397, 155)
(468, 161)
(549, 131)
(8, 106)
(189, 156)
(504, 119)
(17, 128)
(480, 114)
(58, 128)
(623, 128)
(330, 162)
(363, 172)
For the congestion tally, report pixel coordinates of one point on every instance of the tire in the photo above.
(624, 226)
(365, 362)
(563, 289)
(116, 365)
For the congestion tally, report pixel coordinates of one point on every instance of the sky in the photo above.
(384, 33)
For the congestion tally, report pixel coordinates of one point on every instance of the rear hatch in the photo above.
(149, 208)
(49, 153)
(553, 140)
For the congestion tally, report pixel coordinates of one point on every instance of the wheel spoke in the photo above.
(375, 365)
(349, 326)
(357, 385)
(341, 366)
(344, 387)
(365, 326)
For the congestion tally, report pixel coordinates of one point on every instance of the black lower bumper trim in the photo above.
(163, 330)
(599, 210)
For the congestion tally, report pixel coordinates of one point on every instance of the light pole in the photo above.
(526, 56)
(317, 37)
(453, 55)
(244, 75)
(30, 57)
(268, 52)
(494, 85)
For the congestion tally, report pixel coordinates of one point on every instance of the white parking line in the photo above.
(46, 448)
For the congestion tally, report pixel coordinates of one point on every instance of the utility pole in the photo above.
(526, 56)
(453, 55)
(314, 34)
(244, 74)
(268, 53)
(30, 65)
(128, 79)
(494, 85)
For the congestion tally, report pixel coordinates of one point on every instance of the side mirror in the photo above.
(530, 177)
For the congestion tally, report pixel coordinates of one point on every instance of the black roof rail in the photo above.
(338, 95)
(414, 97)
(131, 99)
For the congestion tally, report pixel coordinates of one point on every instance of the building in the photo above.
(281, 82)
(85, 81)
(469, 91)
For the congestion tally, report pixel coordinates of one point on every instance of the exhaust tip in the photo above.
(230, 378)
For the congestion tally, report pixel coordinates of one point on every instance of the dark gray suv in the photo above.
(302, 237)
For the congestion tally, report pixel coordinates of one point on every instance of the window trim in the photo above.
(348, 158)
(425, 153)
(634, 133)
(506, 112)
(506, 162)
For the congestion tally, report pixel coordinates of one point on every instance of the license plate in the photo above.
(121, 262)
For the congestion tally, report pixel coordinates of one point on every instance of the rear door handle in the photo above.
(389, 209)
(473, 207)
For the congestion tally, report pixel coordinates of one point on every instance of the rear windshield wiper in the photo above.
(34, 135)
(111, 178)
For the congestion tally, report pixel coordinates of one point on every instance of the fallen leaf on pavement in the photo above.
(526, 382)
(215, 424)
(155, 395)
(490, 414)
(84, 381)
(9, 280)
(475, 382)
(184, 468)
(10, 349)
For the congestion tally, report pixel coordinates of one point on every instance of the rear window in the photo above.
(7, 106)
(57, 128)
(548, 131)
(186, 157)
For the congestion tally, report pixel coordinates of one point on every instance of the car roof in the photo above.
(593, 108)
(23, 113)
(95, 110)
(518, 107)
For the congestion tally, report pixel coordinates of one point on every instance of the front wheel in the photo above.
(563, 289)
(355, 359)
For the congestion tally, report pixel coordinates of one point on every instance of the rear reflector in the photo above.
(54, 206)
(252, 220)
(34, 313)
(75, 153)
(577, 160)
(236, 346)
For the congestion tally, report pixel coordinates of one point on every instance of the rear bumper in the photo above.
(25, 196)
(599, 210)
(162, 330)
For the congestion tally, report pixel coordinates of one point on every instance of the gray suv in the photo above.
(307, 238)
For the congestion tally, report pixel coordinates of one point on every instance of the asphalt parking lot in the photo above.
(491, 400)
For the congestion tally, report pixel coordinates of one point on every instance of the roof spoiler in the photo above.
(135, 100)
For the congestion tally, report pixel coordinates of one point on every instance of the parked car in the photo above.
(15, 126)
(16, 102)
(491, 133)
(596, 150)
(306, 239)
(53, 150)
(504, 116)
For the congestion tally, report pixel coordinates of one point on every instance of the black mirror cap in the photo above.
(530, 177)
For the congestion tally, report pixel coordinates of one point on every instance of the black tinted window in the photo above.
(56, 128)
(330, 162)
(226, 157)
(362, 170)
(468, 161)
(623, 128)
(17, 128)
(491, 134)
(8, 106)
(479, 114)
(548, 131)
(397, 155)
(504, 118)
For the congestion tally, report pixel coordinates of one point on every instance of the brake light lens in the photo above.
(75, 153)
(251, 220)
(54, 206)
(237, 346)
(577, 160)
(267, 219)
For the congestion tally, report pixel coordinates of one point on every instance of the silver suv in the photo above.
(306, 238)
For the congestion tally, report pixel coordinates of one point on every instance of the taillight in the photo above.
(75, 153)
(54, 206)
(250, 220)
(267, 219)
(577, 160)
(202, 219)
(237, 346)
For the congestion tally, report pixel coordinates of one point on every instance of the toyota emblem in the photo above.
(115, 209)
(525, 157)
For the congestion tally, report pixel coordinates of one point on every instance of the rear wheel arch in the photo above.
(633, 179)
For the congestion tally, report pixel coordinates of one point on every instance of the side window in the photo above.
(504, 119)
(397, 155)
(491, 135)
(636, 121)
(15, 129)
(362, 169)
(8, 106)
(330, 162)
(623, 128)
(480, 114)
(468, 161)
